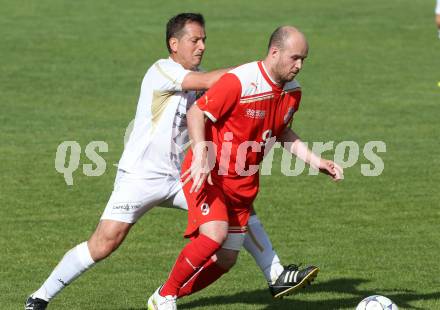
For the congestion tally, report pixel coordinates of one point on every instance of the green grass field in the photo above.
(71, 70)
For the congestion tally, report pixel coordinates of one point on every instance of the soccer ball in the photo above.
(377, 302)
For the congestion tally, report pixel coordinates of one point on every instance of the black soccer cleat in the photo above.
(293, 279)
(35, 304)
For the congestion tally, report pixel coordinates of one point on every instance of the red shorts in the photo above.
(211, 203)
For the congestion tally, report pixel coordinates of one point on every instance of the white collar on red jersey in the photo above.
(268, 75)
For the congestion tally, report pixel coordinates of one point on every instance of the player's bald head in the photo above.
(287, 51)
(284, 34)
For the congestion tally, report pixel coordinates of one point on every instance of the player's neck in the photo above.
(269, 71)
(180, 61)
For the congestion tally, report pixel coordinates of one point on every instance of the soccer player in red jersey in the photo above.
(247, 109)
(149, 170)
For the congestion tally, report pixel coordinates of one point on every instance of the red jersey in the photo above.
(246, 109)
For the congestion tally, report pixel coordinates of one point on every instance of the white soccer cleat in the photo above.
(157, 302)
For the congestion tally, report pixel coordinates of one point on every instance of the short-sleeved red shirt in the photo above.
(246, 108)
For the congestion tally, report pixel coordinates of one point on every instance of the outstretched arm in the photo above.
(291, 142)
(202, 80)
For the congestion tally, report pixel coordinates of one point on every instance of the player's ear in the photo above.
(174, 42)
(273, 51)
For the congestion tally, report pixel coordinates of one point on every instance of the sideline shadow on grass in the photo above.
(345, 285)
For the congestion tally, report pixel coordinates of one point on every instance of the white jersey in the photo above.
(156, 144)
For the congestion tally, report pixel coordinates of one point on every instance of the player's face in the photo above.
(191, 46)
(291, 58)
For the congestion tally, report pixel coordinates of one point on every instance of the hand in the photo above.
(332, 169)
(198, 172)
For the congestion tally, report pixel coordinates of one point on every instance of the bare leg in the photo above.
(107, 237)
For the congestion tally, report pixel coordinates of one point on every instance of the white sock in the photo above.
(73, 264)
(257, 243)
(439, 33)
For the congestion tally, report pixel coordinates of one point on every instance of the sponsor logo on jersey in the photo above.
(256, 114)
(207, 100)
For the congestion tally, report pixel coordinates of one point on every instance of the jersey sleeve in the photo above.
(221, 97)
(296, 103)
(169, 76)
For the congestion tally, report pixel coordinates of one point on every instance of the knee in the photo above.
(226, 259)
(221, 236)
(216, 230)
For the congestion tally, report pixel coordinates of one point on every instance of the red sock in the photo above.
(208, 274)
(194, 255)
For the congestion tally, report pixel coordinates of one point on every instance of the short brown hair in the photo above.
(176, 24)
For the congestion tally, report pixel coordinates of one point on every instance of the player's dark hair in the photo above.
(277, 37)
(176, 24)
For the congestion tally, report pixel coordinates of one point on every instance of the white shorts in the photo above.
(134, 195)
(437, 8)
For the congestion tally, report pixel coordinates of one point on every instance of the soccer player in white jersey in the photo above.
(437, 17)
(149, 170)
